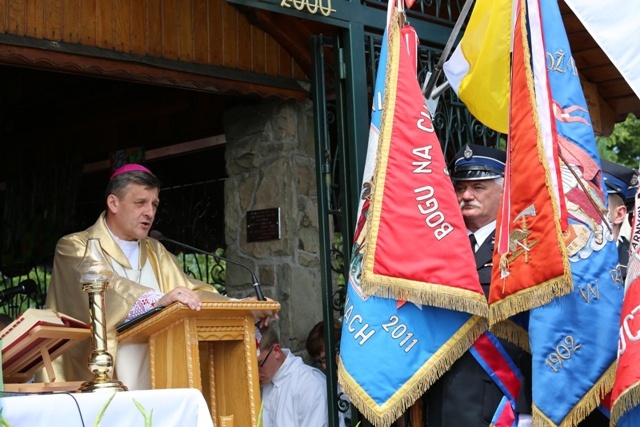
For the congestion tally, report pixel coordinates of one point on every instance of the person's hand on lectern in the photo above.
(183, 295)
(262, 317)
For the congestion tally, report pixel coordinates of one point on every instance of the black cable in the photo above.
(77, 406)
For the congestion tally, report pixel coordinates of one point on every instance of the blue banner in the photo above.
(390, 356)
(630, 419)
(392, 351)
(574, 338)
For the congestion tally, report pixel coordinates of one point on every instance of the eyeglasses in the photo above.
(263, 361)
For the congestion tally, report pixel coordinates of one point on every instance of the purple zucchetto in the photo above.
(131, 167)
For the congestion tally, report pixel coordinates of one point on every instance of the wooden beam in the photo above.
(168, 151)
(86, 60)
(158, 153)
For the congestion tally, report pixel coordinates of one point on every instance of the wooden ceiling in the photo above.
(94, 116)
(596, 67)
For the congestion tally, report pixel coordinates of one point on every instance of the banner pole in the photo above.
(447, 48)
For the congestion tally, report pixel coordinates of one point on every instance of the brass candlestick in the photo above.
(95, 273)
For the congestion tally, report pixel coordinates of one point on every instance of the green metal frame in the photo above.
(454, 125)
(354, 59)
(350, 14)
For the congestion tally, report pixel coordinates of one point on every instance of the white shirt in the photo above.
(131, 249)
(296, 396)
(482, 234)
(132, 359)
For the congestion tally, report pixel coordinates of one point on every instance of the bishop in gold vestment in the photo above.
(66, 295)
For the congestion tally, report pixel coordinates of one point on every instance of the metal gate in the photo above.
(342, 92)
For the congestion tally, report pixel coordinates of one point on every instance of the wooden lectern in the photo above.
(213, 350)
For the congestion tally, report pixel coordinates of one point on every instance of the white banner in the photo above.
(614, 26)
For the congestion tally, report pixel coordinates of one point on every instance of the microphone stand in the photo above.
(256, 285)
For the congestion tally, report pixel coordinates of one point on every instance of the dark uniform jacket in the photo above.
(623, 256)
(465, 396)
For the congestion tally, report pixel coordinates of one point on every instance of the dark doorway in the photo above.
(57, 134)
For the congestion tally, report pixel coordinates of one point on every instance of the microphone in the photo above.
(25, 287)
(256, 285)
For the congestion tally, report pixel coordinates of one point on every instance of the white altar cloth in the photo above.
(163, 408)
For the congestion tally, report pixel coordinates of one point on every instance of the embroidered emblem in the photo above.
(519, 243)
(576, 238)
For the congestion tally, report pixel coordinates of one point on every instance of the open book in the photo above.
(36, 332)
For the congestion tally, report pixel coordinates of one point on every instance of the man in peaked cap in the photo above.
(466, 395)
(622, 184)
(477, 174)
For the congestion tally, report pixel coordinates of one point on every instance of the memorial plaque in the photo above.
(263, 225)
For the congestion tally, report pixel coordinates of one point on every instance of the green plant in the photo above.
(622, 145)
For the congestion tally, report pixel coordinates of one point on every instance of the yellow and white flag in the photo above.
(478, 69)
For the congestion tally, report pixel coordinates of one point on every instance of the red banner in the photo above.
(625, 395)
(626, 389)
(417, 245)
(531, 255)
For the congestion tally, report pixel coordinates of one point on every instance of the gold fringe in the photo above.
(513, 333)
(398, 288)
(562, 285)
(440, 296)
(434, 368)
(424, 293)
(539, 419)
(584, 407)
(529, 298)
(384, 142)
(592, 398)
(629, 399)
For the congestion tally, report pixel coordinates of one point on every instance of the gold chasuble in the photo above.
(66, 296)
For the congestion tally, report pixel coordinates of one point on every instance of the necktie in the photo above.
(473, 241)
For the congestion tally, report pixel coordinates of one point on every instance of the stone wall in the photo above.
(271, 163)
